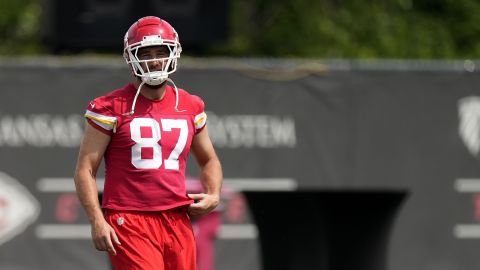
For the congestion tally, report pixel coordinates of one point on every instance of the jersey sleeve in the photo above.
(200, 119)
(99, 115)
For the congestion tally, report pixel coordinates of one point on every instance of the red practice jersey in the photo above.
(146, 159)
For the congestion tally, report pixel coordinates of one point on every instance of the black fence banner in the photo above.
(339, 137)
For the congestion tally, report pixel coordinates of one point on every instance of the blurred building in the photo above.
(99, 25)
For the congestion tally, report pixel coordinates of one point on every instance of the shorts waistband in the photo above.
(180, 209)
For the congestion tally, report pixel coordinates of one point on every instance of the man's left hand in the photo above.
(204, 203)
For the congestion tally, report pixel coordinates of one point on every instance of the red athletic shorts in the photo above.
(160, 240)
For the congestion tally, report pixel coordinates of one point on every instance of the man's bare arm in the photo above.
(211, 175)
(92, 149)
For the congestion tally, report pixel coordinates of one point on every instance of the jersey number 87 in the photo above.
(171, 163)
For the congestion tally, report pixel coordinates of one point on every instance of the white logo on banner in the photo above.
(469, 131)
(252, 131)
(226, 131)
(469, 127)
(18, 208)
(41, 130)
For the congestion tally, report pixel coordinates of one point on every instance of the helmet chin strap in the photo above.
(177, 98)
(135, 98)
(132, 110)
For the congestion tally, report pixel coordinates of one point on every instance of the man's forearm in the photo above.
(87, 193)
(212, 177)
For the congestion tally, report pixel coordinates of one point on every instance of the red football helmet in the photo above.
(151, 31)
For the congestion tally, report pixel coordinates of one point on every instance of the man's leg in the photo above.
(137, 250)
(180, 250)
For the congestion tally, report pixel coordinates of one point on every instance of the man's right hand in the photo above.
(102, 235)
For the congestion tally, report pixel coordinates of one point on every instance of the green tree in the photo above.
(428, 29)
(19, 26)
(356, 29)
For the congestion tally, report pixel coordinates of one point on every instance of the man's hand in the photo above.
(102, 235)
(204, 203)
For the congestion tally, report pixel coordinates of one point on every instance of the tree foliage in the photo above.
(19, 26)
(310, 28)
(356, 29)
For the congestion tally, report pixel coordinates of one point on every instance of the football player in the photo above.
(144, 132)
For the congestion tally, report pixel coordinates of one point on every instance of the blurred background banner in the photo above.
(329, 128)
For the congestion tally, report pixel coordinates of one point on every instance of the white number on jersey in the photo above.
(172, 162)
(156, 161)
